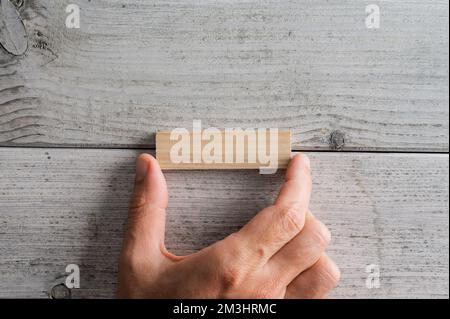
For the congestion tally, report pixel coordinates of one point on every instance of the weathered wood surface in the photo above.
(135, 67)
(62, 206)
(13, 36)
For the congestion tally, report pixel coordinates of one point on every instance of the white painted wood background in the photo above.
(62, 206)
(135, 67)
(138, 66)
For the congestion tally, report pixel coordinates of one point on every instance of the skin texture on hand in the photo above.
(278, 254)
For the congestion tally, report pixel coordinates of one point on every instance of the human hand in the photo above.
(278, 254)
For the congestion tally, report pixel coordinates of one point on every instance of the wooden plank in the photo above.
(69, 206)
(266, 149)
(311, 66)
(13, 36)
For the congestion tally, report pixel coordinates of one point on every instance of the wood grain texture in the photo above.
(62, 206)
(136, 67)
(13, 36)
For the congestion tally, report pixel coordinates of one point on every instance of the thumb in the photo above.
(147, 213)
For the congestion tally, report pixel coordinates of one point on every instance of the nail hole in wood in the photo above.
(60, 292)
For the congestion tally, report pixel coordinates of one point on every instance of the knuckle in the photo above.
(233, 249)
(261, 253)
(331, 273)
(321, 234)
(229, 262)
(335, 276)
(132, 263)
(292, 218)
(231, 277)
(137, 201)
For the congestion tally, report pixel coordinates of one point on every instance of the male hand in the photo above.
(278, 254)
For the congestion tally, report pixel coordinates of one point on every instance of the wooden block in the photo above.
(264, 149)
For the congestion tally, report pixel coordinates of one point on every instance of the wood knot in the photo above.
(17, 3)
(13, 35)
(60, 292)
(337, 140)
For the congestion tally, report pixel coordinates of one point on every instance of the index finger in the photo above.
(298, 184)
(275, 226)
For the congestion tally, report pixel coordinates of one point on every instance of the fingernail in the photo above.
(305, 161)
(141, 169)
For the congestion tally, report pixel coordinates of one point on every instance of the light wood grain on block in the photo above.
(309, 66)
(63, 206)
(228, 149)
